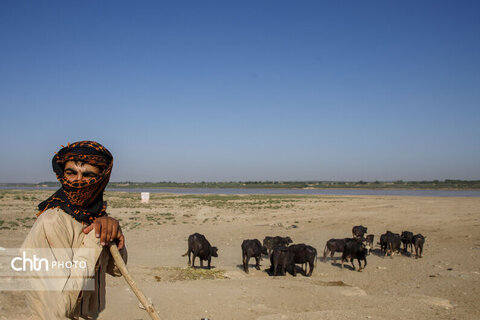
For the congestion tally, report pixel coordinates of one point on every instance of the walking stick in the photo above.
(123, 268)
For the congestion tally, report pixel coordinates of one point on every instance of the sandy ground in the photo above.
(444, 284)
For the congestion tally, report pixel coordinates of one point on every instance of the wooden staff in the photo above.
(123, 268)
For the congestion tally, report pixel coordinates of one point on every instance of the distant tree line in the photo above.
(399, 184)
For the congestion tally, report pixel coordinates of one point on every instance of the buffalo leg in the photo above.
(351, 261)
(193, 259)
(257, 265)
(311, 264)
(189, 262)
(209, 262)
(245, 265)
(201, 263)
(360, 265)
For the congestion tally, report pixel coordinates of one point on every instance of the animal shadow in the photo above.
(204, 267)
(406, 253)
(289, 270)
(301, 271)
(269, 271)
(345, 265)
(250, 266)
(377, 252)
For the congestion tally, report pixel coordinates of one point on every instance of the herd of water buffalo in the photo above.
(285, 255)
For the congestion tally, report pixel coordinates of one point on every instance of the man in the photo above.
(63, 230)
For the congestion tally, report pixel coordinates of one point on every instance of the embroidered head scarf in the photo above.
(82, 200)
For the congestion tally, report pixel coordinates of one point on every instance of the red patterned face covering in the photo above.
(81, 199)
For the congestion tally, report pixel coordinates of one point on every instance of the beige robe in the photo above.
(61, 235)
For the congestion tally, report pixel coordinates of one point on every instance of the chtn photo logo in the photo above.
(50, 269)
(25, 263)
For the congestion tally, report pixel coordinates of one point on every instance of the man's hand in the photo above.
(107, 229)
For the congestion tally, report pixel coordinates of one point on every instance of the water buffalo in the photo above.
(280, 257)
(394, 243)
(418, 241)
(252, 248)
(272, 242)
(199, 246)
(302, 253)
(332, 246)
(369, 242)
(407, 240)
(355, 250)
(384, 241)
(359, 231)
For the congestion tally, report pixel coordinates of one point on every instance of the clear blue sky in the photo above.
(243, 90)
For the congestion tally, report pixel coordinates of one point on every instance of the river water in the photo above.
(350, 192)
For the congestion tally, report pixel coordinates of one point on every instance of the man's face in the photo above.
(80, 172)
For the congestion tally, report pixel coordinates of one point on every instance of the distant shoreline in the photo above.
(277, 191)
(446, 185)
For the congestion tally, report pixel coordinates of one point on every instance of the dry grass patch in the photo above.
(172, 274)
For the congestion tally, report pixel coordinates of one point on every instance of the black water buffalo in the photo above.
(407, 240)
(272, 242)
(359, 231)
(384, 241)
(332, 246)
(394, 243)
(355, 250)
(302, 253)
(199, 246)
(280, 257)
(252, 248)
(418, 241)
(369, 242)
